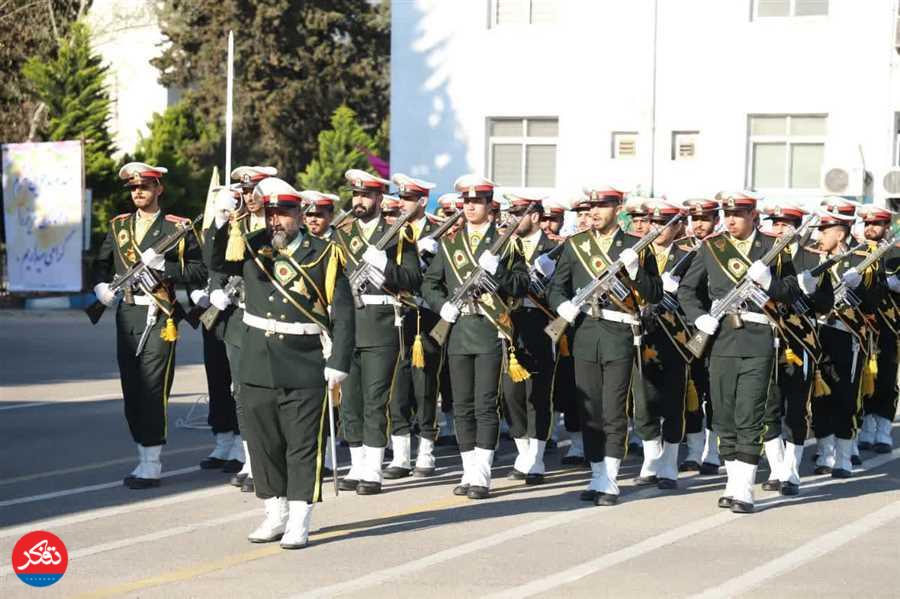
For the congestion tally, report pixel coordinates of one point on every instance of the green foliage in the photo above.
(72, 86)
(340, 148)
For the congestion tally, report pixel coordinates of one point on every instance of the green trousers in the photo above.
(527, 405)
(739, 388)
(787, 406)
(884, 401)
(366, 395)
(837, 413)
(476, 380)
(602, 389)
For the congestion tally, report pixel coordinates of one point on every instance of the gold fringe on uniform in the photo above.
(870, 371)
(517, 372)
(418, 351)
(170, 331)
(336, 259)
(820, 387)
(692, 401)
(791, 357)
(234, 251)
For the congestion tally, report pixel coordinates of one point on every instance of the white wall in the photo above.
(593, 69)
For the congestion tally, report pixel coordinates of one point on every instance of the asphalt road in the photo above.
(64, 448)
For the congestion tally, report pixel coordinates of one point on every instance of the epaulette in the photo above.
(580, 234)
(684, 248)
(347, 224)
(767, 234)
(176, 219)
(120, 217)
(861, 253)
(713, 235)
(635, 235)
(813, 250)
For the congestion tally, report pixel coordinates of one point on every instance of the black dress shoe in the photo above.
(573, 460)
(856, 460)
(822, 470)
(478, 492)
(393, 472)
(232, 467)
(725, 502)
(606, 499)
(141, 483)
(211, 463)
(689, 466)
(348, 484)
(772, 485)
(646, 481)
(587, 495)
(516, 475)
(708, 469)
(423, 472)
(864, 445)
(248, 486)
(366, 487)
(667, 484)
(741, 507)
(534, 479)
(789, 488)
(841, 473)
(881, 448)
(238, 479)
(461, 490)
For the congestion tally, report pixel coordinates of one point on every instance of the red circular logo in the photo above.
(40, 558)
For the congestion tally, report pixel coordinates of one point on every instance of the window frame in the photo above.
(523, 141)
(792, 12)
(528, 8)
(613, 145)
(674, 155)
(789, 140)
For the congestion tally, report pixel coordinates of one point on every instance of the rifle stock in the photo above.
(95, 311)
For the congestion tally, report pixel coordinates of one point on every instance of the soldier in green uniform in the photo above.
(298, 338)
(480, 331)
(319, 212)
(527, 404)
(376, 357)
(605, 332)
(785, 425)
(448, 204)
(147, 374)
(742, 356)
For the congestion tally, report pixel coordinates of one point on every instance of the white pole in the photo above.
(229, 115)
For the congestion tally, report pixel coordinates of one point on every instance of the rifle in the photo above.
(606, 283)
(669, 302)
(478, 281)
(537, 282)
(746, 290)
(844, 297)
(445, 226)
(192, 317)
(365, 272)
(231, 289)
(140, 275)
(340, 218)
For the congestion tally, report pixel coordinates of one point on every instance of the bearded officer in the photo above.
(146, 377)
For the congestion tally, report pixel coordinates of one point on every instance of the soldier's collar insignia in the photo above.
(284, 272)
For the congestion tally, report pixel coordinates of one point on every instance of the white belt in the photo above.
(836, 324)
(270, 325)
(755, 317)
(612, 315)
(378, 300)
(242, 305)
(143, 300)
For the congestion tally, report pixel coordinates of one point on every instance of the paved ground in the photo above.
(64, 448)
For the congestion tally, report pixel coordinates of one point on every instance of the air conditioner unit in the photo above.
(843, 181)
(891, 182)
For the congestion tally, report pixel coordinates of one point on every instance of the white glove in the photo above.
(200, 298)
(449, 312)
(852, 278)
(569, 311)
(334, 377)
(545, 265)
(219, 299)
(375, 257)
(153, 260)
(489, 262)
(670, 282)
(104, 294)
(894, 283)
(808, 283)
(760, 274)
(427, 245)
(225, 204)
(706, 324)
(630, 261)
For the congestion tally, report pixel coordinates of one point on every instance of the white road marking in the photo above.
(35, 404)
(803, 554)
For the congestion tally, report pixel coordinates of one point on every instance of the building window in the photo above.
(523, 12)
(522, 151)
(684, 145)
(790, 8)
(624, 145)
(786, 151)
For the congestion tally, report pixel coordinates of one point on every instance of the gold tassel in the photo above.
(234, 251)
(692, 402)
(516, 371)
(170, 331)
(868, 378)
(873, 365)
(418, 351)
(331, 273)
(564, 347)
(792, 357)
(821, 388)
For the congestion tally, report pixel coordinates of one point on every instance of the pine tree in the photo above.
(72, 86)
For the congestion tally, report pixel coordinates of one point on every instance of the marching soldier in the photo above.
(527, 404)
(319, 212)
(299, 335)
(702, 442)
(742, 356)
(552, 221)
(582, 209)
(603, 343)
(376, 356)
(448, 205)
(146, 371)
(480, 330)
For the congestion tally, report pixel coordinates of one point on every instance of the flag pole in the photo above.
(229, 114)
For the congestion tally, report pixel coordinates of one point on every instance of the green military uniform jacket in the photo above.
(571, 275)
(311, 276)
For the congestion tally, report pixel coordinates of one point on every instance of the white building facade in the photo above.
(680, 98)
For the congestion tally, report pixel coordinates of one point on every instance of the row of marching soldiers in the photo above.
(394, 314)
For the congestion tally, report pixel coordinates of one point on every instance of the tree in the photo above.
(72, 87)
(296, 61)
